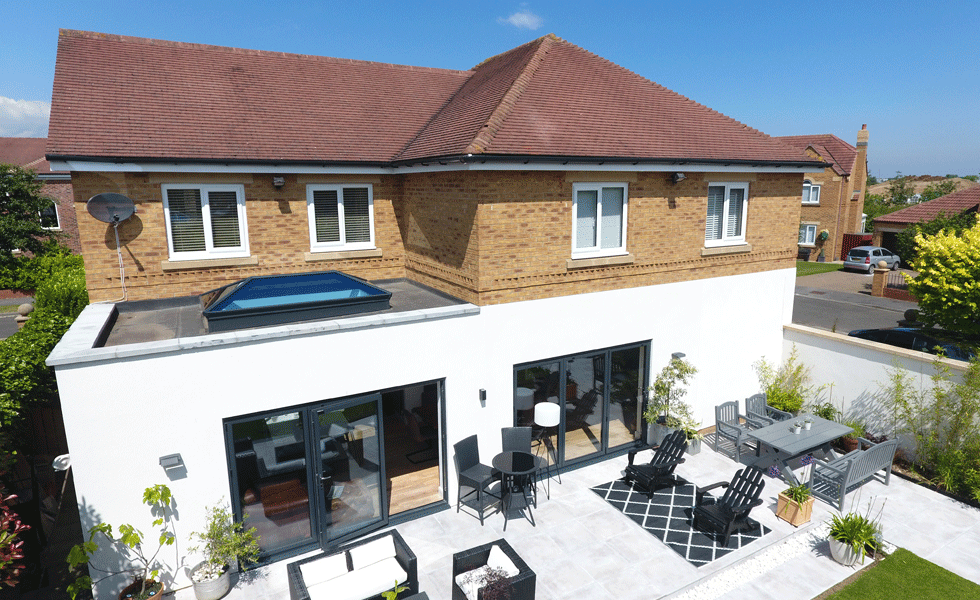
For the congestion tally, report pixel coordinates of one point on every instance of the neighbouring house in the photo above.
(550, 227)
(887, 227)
(833, 198)
(29, 153)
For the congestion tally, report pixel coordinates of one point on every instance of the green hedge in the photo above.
(29, 273)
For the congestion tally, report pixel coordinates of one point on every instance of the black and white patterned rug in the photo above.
(668, 518)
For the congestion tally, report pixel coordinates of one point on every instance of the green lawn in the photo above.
(812, 268)
(905, 575)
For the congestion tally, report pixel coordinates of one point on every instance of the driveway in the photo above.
(841, 301)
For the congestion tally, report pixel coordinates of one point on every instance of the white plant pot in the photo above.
(843, 553)
(656, 433)
(212, 589)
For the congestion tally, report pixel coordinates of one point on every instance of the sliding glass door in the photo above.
(598, 397)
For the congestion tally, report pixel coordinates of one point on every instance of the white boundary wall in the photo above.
(855, 371)
(124, 408)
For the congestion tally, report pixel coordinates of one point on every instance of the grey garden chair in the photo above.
(474, 475)
(729, 425)
(757, 410)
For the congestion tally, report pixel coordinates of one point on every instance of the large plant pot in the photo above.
(132, 590)
(693, 446)
(213, 589)
(657, 432)
(793, 513)
(843, 553)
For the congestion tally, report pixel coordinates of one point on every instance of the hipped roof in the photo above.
(951, 204)
(126, 98)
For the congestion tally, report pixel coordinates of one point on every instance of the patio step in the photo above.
(764, 561)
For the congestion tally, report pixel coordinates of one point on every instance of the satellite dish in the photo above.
(110, 208)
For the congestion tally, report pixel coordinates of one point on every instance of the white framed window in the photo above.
(811, 192)
(727, 208)
(49, 217)
(341, 216)
(599, 219)
(205, 221)
(808, 234)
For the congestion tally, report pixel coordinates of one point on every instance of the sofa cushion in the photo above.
(361, 583)
(498, 560)
(471, 581)
(324, 569)
(372, 552)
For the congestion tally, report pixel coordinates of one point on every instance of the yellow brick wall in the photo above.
(278, 235)
(485, 237)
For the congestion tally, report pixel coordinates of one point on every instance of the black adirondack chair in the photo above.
(659, 472)
(730, 513)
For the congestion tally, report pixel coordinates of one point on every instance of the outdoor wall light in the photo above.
(678, 355)
(171, 461)
(278, 182)
(483, 396)
(678, 177)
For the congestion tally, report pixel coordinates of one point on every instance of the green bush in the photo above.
(905, 243)
(947, 286)
(28, 274)
(63, 292)
(24, 378)
(787, 387)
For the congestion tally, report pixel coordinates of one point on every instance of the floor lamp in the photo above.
(547, 414)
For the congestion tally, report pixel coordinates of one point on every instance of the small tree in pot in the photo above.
(222, 542)
(666, 410)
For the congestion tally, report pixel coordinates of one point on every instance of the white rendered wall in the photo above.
(854, 371)
(122, 415)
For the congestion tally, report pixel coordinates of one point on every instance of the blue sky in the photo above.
(910, 70)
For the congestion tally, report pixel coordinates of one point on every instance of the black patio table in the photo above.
(787, 445)
(516, 468)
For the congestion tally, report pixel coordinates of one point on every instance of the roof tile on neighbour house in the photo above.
(951, 204)
(834, 150)
(118, 97)
(25, 152)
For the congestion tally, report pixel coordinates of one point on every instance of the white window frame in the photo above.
(341, 244)
(210, 251)
(597, 250)
(811, 191)
(811, 234)
(57, 218)
(727, 240)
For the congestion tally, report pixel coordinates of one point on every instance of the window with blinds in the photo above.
(725, 221)
(205, 221)
(341, 217)
(599, 215)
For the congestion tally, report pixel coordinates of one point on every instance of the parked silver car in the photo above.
(866, 258)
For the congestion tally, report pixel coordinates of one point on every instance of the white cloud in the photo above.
(523, 19)
(24, 118)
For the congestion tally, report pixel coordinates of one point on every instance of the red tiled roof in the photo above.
(123, 97)
(950, 204)
(834, 150)
(25, 152)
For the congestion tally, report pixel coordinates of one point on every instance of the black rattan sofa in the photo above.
(522, 584)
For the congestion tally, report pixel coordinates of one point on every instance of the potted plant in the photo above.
(694, 436)
(223, 542)
(850, 439)
(392, 594)
(130, 543)
(854, 536)
(797, 426)
(807, 422)
(795, 504)
(665, 410)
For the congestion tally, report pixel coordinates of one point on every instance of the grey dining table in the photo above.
(786, 445)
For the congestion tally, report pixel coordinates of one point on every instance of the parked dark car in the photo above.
(866, 258)
(924, 340)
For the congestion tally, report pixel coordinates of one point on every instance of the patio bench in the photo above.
(360, 570)
(831, 481)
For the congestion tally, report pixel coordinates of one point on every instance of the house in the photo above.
(29, 153)
(887, 227)
(550, 226)
(833, 198)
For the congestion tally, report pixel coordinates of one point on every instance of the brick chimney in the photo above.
(859, 175)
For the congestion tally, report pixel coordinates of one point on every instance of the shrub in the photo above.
(63, 292)
(905, 242)
(947, 285)
(788, 386)
(27, 273)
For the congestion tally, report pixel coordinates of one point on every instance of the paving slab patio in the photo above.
(582, 547)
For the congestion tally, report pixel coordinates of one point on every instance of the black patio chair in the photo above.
(730, 513)
(518, 439)
(758, 411)
(471, 473)
(729, 424)
(659, 472)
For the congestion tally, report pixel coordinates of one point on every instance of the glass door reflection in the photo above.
(584, 389)
(348, 442)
